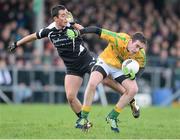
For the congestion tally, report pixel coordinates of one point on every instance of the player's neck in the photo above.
(58, 26)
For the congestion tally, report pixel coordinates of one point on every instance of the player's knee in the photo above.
(133, 90)
(70, 97)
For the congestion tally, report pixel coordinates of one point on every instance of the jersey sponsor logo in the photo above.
(61, 41)
(56, 40)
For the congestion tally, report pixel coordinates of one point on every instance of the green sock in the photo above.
(113, 114)
(84, 114)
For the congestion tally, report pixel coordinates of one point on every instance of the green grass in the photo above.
(57, 121)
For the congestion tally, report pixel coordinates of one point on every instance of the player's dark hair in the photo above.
(139, 36)
(55, 10)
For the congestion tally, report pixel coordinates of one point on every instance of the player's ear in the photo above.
(54, 18)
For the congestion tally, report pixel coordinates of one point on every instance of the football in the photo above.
(131, 64)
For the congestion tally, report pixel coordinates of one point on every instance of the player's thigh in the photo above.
(72, 84)
(95, 78)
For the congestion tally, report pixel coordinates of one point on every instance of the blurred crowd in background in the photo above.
(159, 20)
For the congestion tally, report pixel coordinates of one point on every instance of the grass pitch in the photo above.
(57, 122)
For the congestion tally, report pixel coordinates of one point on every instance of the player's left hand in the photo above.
(70, 17)
(132, 75)
(129, 73)
(12, 47)
(72, 33)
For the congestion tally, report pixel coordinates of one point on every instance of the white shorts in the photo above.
(114, 72)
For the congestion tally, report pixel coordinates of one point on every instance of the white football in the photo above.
(131, 64)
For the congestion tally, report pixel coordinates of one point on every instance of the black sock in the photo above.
(79, 114)
(133, 100)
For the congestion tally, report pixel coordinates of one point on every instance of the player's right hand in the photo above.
(12, 47)
(72, 33)
(129, 73)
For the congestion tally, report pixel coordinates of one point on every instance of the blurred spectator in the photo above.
(177, 76)
(161, 94)
(47, 58)
(5, 77)
(22, 93)
(163, 60)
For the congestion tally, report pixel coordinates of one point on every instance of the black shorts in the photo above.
(82, 66)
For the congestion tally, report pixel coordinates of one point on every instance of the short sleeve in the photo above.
(42, 33)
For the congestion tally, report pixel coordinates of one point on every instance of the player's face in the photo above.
(135, 46)
(61, 19)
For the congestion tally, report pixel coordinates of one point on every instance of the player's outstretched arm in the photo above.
(26, 39)
(74, 33)
(103, 33)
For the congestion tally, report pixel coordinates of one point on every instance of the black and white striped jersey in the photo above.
(69, 50)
